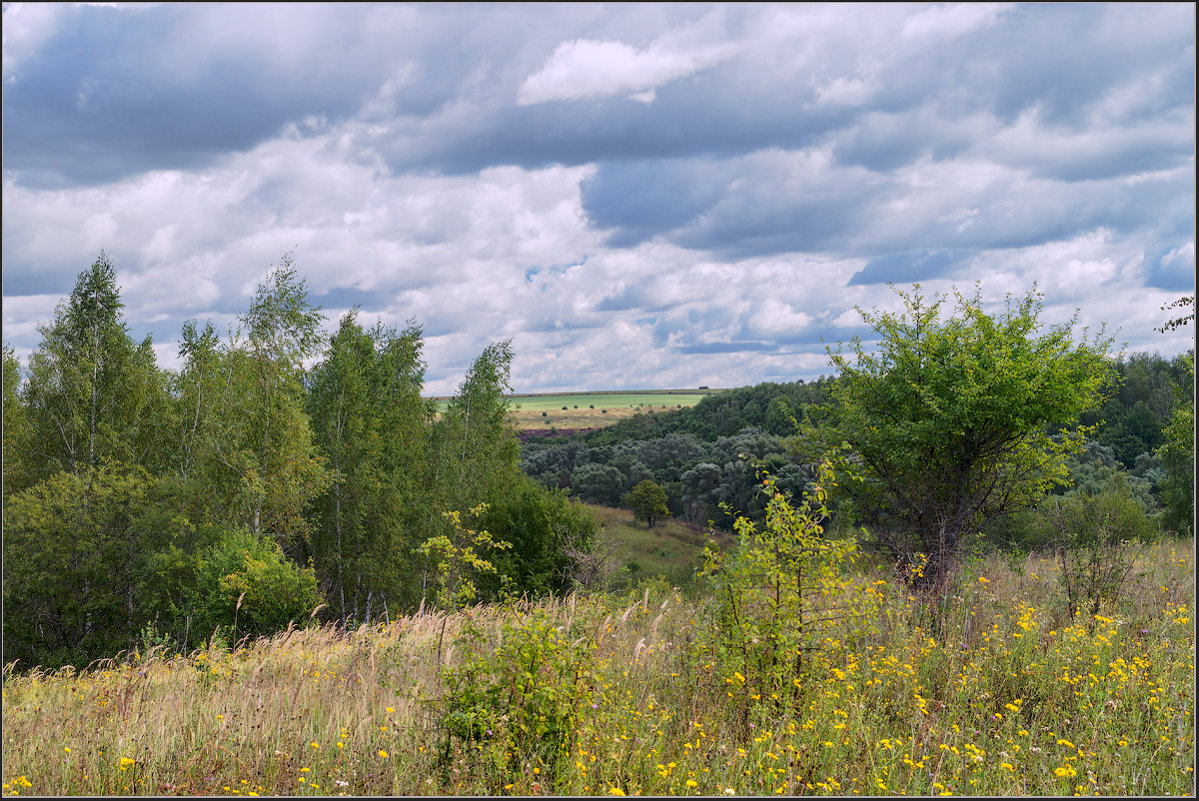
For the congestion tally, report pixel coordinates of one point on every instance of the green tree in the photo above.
(16, 427)
(648, 502)
(72, 548)
(254, 463)
(778, 593)
(474, 453)
(92, 394)
(372, 428)
(953, 422)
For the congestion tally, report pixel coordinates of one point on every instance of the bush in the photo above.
(1098, 534)
(247, 583)
(517, 699)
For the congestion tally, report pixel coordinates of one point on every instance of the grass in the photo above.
(1001, 694)
(593, 409)
(672, 549)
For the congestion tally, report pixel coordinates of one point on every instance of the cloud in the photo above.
(638, 195)
(586, 68)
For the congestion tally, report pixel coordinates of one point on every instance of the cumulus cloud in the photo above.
(638, 195)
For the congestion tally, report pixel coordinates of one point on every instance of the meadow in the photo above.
(626, 693)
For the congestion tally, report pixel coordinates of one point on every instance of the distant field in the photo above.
(594, 409)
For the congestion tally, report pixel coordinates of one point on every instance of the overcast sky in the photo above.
(640, 196)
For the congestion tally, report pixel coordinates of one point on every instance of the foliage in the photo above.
(372, 427)
(770, 406)
(953, 422)
(517, 700)
(777, 593)
(543, 529)
(1095, 532)
(1178, 458)
(458, 558)
(1177, 322)
(246, 583)
(72, 544)
(92, 394)
(16, 427)
(648, 502)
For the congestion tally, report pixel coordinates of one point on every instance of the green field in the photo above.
(593, 409)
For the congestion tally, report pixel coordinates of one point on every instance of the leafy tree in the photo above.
(473, 448)
(255, 464)
(648, 502)
(372, 428)
(92, 394)
(953, 422)
(16, 427)
(777, 594)
(457, 559)
(72, 546)
(542, 526)
(598, 483)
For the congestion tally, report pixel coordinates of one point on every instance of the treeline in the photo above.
(246, 490)
(708, 455)
(703, 456)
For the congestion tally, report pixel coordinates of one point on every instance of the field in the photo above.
(594, 409)
(621, 693)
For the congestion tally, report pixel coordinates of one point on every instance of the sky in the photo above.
(638, 195)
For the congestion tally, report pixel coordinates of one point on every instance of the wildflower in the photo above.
(984, 580)
(390, 710)
(382, 754)
(616, 791)
(315, 746)
(691, 783)
(126, 762)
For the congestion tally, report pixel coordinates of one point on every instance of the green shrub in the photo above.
(1099, 534)
(246, 582)
(517, 699)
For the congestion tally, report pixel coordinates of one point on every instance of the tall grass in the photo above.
(997, 693)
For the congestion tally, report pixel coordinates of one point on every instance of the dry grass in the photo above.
(1004, 695)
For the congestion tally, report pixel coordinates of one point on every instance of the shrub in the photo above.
(246, 582)
(1098, 537)
(517, 699)
(777, 594)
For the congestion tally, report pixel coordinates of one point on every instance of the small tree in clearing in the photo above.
(648, 502)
